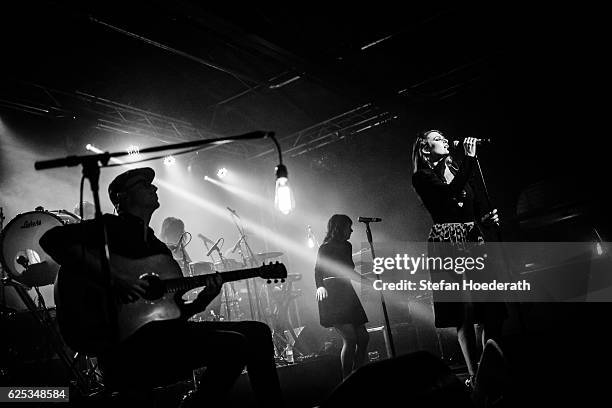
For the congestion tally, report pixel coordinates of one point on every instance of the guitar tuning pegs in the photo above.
(275, 280)
(283, 280)
(268, 281)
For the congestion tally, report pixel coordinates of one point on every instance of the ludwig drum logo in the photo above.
(30, 224)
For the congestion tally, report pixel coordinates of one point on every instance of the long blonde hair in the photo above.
(419, 160)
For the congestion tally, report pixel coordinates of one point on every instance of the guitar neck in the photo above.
(183, 284)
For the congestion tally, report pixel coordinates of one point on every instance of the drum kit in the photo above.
(234, 300)
(27, 273)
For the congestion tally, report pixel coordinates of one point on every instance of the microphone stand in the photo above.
(519, 309)
(382, 297)
(186, 268)
(252, 262)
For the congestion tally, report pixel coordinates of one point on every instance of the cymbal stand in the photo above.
(228, 303)
(281, 318)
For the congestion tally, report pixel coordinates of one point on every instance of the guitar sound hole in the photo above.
(156, 287)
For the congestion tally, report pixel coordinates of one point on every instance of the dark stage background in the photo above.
(346, 89)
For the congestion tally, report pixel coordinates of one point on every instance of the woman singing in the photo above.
(339, 306)
(447, 194)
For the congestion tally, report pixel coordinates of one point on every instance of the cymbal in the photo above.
(268, 255)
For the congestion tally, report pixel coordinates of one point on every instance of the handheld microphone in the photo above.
(479, 142)
(369, 219)
(216, 246)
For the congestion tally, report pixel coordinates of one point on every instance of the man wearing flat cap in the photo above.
(161, 351)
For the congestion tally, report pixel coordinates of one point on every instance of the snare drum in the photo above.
(20, 250)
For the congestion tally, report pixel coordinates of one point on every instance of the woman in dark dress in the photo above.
(339, 306)
(446, 192)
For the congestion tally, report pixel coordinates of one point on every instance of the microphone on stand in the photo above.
(369, 219)
(479, 142)
(237, 244)
(233, 212)
(216, 246)
(205, 239)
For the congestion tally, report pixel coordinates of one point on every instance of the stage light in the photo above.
(599, 249)
(283, 197)
(95, 149)
(207, 178)
(134, 152)
(222, 172)
(169, 160)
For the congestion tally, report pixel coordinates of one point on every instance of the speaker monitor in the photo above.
(416, 379)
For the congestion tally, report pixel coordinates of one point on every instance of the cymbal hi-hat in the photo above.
(262, 256)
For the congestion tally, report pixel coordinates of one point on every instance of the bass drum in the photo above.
(24, 260)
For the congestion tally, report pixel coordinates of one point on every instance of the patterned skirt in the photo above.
(458, 240)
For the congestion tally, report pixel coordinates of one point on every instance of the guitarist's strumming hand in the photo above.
(210, 291)
(128, 288)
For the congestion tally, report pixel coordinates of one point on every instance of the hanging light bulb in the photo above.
(283, 196)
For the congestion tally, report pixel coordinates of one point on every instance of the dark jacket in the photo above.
(454, 202)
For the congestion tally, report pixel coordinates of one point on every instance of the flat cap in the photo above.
(124, 180)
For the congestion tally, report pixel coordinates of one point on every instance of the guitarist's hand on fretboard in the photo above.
(210, 292)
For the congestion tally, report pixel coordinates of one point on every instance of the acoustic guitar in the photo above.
(83, 306)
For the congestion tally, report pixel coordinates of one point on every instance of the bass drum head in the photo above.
(22, 257)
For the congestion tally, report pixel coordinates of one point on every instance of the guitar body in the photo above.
(132, 316)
